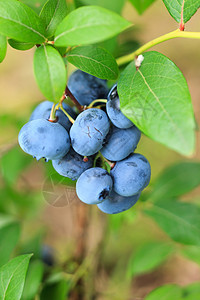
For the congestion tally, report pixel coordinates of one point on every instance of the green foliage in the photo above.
(33, 245)
(141, 5)
(52, 14)
(126, 47)
(36, 5)
(115, 6)
(33, 280)
(20, 45)
(89, 25)
(21, 203)
(50, 73)
(157, 99)
(9, 236)
(166, 292)
(12, 164)
(172, 291)
(95, 61)
(126, 218)
(3, 47)
(192, 291)
(148, 257)
(175, 8)
(177, 180)
(192, 253)
(56, 290)
(181, 221)
(12, 277)
(19, 22)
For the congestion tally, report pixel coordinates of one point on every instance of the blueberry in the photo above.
(115, 203)
(94, 185)
(72, 165)
(43, 139)
(47, 255)
(89, 131)
(43, 110)
(114, 112)
(86, 87)
(120, 143)
(131, 175)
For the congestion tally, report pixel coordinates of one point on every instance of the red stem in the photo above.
(77, 104)
(182, 25)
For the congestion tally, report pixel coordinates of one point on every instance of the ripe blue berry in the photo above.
(94, 186)
(114, 112)
(131, 175)
(72, 165)
(86, 87)
(115, 203)
(43, 110)
(89, 131)
(120, 143)
(47, 255)
(44, 139)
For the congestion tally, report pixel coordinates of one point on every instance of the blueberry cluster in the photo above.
(96, 148)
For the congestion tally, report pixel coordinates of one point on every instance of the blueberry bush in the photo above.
(102, 93)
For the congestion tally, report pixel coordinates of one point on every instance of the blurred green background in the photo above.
(75, 230)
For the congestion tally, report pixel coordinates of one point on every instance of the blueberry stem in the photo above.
(96, 157)
(52, 117)
(74, 100)
(96, 101)
(69, 117)
(171, 35)
(104, 160)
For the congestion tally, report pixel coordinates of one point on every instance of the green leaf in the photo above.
(141, 5)
(88, 25)
(12, 164)
(187, 7)
(148, 257)
(12, 277)
(166, 292)
(36, 5)
(20, 45)
(192, 291)
(3, 47)
(34, 244)
(192, 253)
(58, 290)
(52, 14)
(33, 280)
(19, 22)
(119, 220)
(181, 221)
(5, 220)
(110, 45)
(95, 61)
(50, 73)
(115, 6)
(157, 99)
(174, 182)
(9, 236)
(126, 47)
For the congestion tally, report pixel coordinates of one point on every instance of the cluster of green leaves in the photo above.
(173, 291)
(55, 29)
(156, 98)
(179, 219)
(20, 277)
